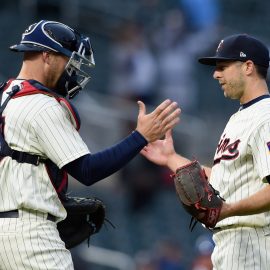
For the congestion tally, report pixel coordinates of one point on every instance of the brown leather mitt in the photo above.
(197, 196)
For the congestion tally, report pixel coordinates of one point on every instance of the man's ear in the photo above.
(46, 56)
(249, 67)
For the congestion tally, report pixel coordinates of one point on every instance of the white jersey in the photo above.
(39, 125)
(242, 160)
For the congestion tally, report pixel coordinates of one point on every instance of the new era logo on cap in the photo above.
(241, 47)
(242, 54)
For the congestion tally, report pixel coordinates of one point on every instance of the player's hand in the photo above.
(154, 125)
(160, 151)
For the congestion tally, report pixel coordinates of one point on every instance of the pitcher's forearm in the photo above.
(255, 204)
(176, 161)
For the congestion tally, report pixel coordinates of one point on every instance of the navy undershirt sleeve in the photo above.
(91, 168)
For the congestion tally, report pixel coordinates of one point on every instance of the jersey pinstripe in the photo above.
(39, 125)
(31, 242)
(242, 160)
(241, 248)
(241, 163)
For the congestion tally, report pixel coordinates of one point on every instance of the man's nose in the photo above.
(216, 74)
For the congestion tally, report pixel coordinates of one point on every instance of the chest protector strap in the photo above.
(59, 177)
(5, 149)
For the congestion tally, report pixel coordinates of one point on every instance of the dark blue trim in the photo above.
(41, 87)
(91, 168)
(37, 36)
(245, 105)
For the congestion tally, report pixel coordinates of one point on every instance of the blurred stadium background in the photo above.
(148, 50)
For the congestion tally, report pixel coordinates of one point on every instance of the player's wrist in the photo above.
(142, 134)
(174, 161)
(227, 210)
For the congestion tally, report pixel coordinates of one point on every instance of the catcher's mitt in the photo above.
(85, 216)
(197, 196)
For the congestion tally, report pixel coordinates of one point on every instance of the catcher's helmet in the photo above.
(60, 38)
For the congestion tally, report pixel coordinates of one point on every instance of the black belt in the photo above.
(15, 214)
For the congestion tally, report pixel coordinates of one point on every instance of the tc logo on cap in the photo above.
(240, 47)
(220, 45)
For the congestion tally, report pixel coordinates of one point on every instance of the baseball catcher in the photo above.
(41, 146)
(197, 196)
(85, 216)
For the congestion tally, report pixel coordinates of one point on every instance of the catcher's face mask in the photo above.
(76, 74)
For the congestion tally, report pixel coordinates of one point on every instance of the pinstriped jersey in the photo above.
(39, 125)
(242, 160)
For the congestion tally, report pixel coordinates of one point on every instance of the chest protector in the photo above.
(59, 177)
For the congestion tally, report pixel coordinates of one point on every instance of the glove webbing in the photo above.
(193, 221)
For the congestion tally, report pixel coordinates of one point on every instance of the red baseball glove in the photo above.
(197, 196)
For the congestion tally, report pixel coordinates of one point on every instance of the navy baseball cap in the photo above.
(241, 47)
